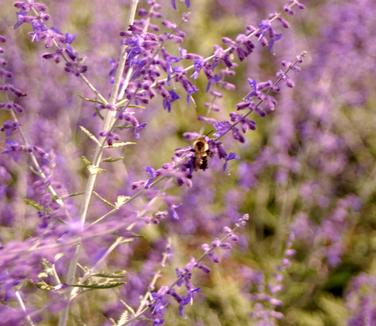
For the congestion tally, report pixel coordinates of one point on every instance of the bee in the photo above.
(201, 150)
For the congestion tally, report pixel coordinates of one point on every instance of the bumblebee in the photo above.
(201, 150)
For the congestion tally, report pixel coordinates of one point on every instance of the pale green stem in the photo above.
(141, 312)
(22, 304)
(108, 121)
(76, 290)
(147, 296)
(130, 199)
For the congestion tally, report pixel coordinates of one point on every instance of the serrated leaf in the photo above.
(112, 159)
(95, 169)
(121, 200)
(107, 285)
(122, 144)
(90, 135)
(33, 204)
(119, 274)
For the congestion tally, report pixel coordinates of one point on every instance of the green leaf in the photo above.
(85, 160)
(107, 285)
(122, 102)
(112, 159)
(90, 135)
(34, 204)
(121, 200)
(133, 106)
(42, 275)
(99, 113)
(119, 274)
(124, 127)
(92, 100)
(74, 194)
(95, 169)
(58, 256)
(44, 286)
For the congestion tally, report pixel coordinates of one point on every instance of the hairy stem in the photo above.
(75, 292)
(108, 121)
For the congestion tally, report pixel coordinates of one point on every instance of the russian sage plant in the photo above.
(122, 131)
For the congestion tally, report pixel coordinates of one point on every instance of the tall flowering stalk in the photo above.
(89, 188)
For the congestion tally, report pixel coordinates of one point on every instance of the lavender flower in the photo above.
(97, 172)
(159, 299)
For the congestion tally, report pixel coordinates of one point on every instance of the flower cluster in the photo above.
(160, 300)
(10, 91)
(328, 238)
(258, 100)
(266, 301)
(36, 15)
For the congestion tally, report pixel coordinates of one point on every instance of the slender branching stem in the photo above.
(23, 307)
(141, 312)
(108, 122)
(75, 292)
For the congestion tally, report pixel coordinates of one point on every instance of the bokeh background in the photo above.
(308, 169)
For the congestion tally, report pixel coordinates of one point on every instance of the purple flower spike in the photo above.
(153, 174)
(168, 100)
(230, 157)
